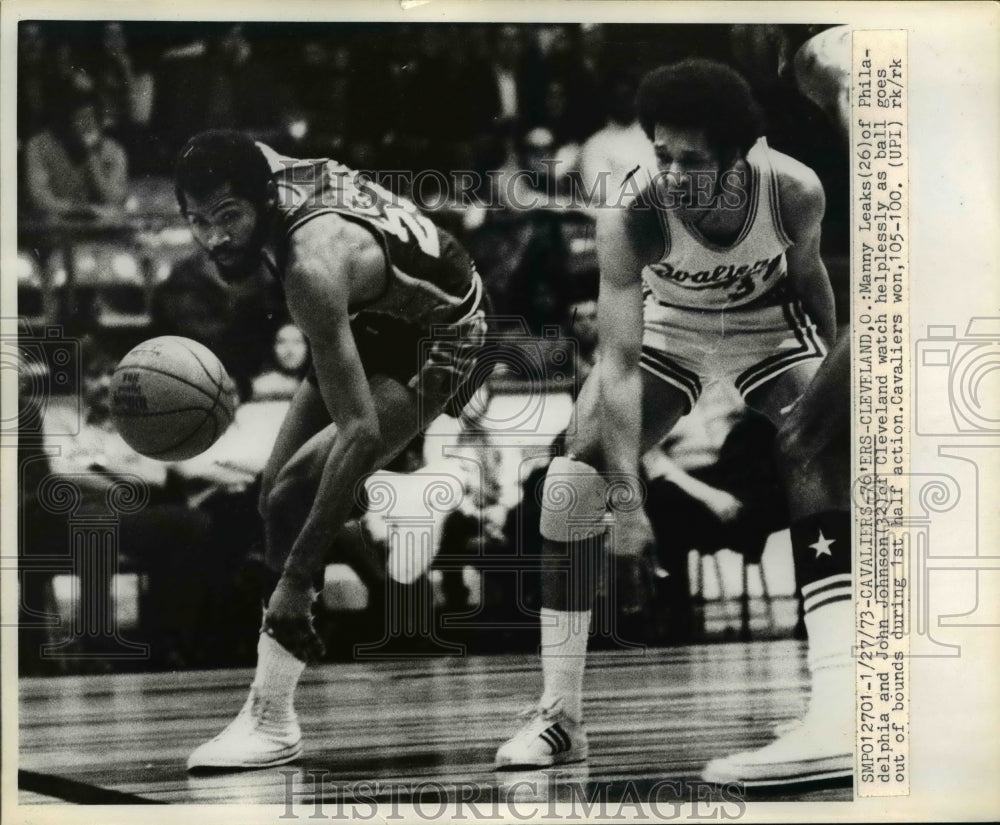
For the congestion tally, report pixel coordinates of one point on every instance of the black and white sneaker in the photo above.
(548, 737)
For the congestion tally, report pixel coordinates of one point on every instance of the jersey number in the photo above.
(402, 220)
(744, 288)
(405, 224)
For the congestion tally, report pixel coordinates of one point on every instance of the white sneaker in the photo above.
(805, 752)
(261, 736)
(548, 737)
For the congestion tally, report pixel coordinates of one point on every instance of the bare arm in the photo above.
(619, 318)
(803, 204)
(321, 268)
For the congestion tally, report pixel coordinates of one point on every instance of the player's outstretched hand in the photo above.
(289, 619)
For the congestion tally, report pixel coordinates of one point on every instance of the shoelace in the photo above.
(538, 711)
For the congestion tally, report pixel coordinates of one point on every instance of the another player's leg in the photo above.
(266, 731)
(814, 458)
(573, 542)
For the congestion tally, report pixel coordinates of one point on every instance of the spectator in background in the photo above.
(613, 152)
(32, 70)
(567, 63)
(430, 125)
(241, 92)
(531, 191)
(534, 174)
(125, 95)
(65, 71)
(477, 523)
(478, 95)
(562, 120)
(72, 169)
(320, 109)
(289, 361)
(219, 82)
(235, 322)
(516, 68)
(114, 80)
(713, 484)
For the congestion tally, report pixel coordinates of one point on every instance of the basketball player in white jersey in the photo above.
(711, 273)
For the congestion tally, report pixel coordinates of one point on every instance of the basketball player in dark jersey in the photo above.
(711, 272)
(393, 309)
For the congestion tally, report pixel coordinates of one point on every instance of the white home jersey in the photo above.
(696, 273)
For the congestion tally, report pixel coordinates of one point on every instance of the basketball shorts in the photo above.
(408, 352)
(747, 346)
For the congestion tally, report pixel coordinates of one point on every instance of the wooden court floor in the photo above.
(426, 728)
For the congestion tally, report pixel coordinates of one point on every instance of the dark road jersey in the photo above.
(430, 277)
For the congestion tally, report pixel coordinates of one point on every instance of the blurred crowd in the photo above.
(472, 96)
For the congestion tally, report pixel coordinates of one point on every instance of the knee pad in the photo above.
(573, 501)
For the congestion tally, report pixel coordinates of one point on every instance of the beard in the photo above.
(243, 264)
(240, 269)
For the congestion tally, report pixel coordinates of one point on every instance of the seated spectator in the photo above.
(289, 361)
(72, 169)
(477, 523)
(713, 485)
(534, 174)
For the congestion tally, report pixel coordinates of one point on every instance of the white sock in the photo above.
(277, 673)
(564, 657)
(831, 666)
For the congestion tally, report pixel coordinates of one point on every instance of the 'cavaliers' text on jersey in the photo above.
(431, 278)
(696, 273)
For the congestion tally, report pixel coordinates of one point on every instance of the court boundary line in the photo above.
(76, 792)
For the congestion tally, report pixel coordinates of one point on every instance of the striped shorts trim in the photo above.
(810, 346)
(746, 346)
(658, 364)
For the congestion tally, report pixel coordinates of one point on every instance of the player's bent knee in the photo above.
(573, 501)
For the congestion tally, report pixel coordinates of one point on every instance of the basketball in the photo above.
(171, 398)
